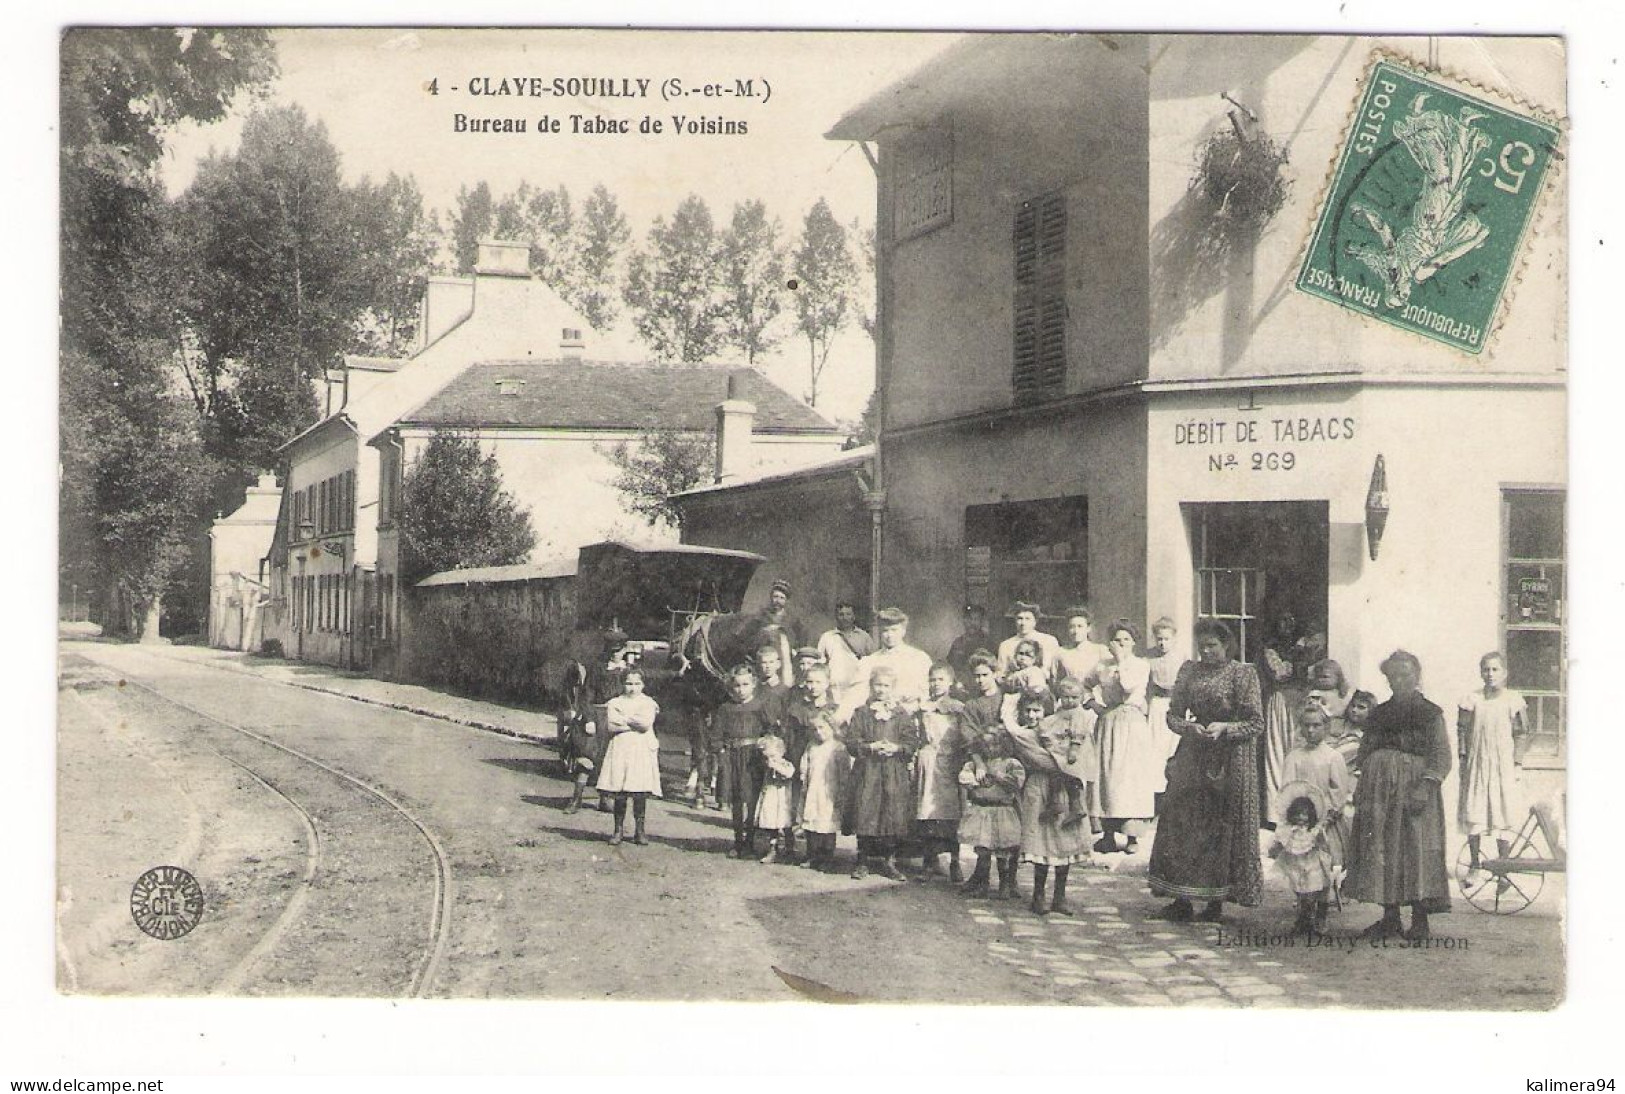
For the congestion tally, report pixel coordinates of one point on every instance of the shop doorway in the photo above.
(1262, 566)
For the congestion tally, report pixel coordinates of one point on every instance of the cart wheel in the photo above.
(1505, 893)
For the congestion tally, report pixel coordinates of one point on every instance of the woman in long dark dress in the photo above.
(1207, 839)
(1398, 855)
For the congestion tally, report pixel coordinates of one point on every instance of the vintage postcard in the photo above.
(1045, 519)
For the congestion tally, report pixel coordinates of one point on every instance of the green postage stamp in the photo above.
(1426, 214)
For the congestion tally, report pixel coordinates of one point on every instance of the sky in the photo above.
(369, 86)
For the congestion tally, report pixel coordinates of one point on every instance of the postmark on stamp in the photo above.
(166, 902)
(1427, 210)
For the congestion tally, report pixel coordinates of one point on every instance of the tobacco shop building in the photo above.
(1098, 382)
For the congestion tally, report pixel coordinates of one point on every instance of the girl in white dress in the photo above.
(826, 769)
(631, 768)
(1489, 721)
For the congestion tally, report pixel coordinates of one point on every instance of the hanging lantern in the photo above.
(1376, 506)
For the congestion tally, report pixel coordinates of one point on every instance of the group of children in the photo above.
(1315, 802)
(926, 776)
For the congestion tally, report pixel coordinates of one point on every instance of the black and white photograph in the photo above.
(1067, 520)
(515, 476)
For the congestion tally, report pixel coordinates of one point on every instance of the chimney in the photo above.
(734, 417)
(571, 345)
(502, 258)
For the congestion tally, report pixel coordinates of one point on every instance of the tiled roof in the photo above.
(851, 459)
(560, 394)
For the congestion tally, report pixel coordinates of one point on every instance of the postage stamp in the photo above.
(1427, 210)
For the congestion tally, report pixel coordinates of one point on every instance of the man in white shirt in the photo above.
(1027, 629)
(912, 664)
(842, 647)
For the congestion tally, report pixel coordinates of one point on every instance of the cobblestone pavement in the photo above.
(1108, 953)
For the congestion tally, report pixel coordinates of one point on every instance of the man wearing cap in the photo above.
(842, 647)
(777, 626)
(911, 664)
(1026, 616)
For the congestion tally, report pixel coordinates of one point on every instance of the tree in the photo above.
(865, 296)
(550, 227)
(455, 512)
(662, 463)
(603, 236)
(672, 286)
(752, 264)
(130, 451)
(393, 266)
(825, 276)
(286, 270)
(471, 221)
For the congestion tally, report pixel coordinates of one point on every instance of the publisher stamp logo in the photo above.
(1427, 211)
(166, 902)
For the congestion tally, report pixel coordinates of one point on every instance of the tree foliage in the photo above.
(826, 279)
(752, 263)
(286, 269)
(455, 512)
(471, 221)
(864, 296)
(673, 288)
(600, 254)
(578, 253)
(393, 265)
(662, 463)
(130, 454)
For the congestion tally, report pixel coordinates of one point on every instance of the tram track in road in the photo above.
(281, 955)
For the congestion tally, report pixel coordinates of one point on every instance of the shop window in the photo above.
(1036, 551)
(1533, 616)
(1262, 570)
(1039, 320)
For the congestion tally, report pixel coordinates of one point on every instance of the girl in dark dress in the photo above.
(1398, 853)
(882, 738)
(1207, 839)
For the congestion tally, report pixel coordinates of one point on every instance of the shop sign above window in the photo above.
(924, 194)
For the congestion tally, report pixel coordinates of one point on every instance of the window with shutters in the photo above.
(1039, 359)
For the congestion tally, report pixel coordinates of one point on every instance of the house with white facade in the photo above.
(238, 587)
(504, 360)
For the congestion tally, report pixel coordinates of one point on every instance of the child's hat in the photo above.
(781, 586)
(1300, 788)
(808, 653)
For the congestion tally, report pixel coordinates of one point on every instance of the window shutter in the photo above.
(1039, 321)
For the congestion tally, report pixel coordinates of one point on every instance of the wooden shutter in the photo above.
(1039, 321)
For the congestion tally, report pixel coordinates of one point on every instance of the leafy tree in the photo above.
(130, 451)
(286, 270)
(455, 512)
(825, 279)
(866, 430)
(550, 227)
(865, 297)
(602, 238)
(662, 463)
(672, 286)
(393, 266)
(752, 265)
(471, 221)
